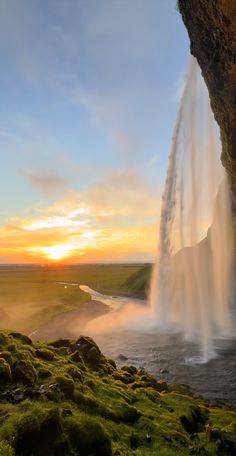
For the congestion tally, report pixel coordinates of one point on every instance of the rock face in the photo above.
(211, 26)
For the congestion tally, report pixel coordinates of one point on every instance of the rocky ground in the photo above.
(64, 398)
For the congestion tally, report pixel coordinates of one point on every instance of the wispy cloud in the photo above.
(43, 182)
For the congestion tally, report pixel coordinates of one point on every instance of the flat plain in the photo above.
(31, 295)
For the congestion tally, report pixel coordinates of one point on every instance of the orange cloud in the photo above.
(114, 219)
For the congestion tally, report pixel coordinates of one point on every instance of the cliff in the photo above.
(211, 25)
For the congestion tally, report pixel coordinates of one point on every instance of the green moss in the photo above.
(60, 343)
(88, 436)
(194, 420)
(6, 449)
(44, 353)
(4, 339)
(66, 385)
(43, 373)
(36, 432)
(65, 408)
(93, 357)
(75, 373)
(6, 355)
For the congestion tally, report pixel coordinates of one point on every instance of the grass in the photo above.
(77, 403)
(31, 296)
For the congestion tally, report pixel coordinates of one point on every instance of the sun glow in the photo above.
(56, 252)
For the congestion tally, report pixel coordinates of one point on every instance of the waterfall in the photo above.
(190, 287)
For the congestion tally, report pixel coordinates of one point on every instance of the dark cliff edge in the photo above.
(211, 25)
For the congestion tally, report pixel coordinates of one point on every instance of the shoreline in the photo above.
(60, 326)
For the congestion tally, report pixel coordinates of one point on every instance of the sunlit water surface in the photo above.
(169, 356)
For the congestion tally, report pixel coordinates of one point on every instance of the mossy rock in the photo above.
(130, 369)
(21, 337)
(24, 372)
(4, 339)
(85, 344)
(93, 357)
(226, 443)
(6, 355)
(112, 363)
(66, 386)
(123, 377)
(41, 434)
(75, 373)
(43, 372)
(45, 354)
(88, 437)
(77, 358)
(60, 343)
(5, 372)
(126, 413)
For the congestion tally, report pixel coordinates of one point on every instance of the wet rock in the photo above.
(17, 396)
(23, 372)
(21, 337)
(122, 357)
(164, 370)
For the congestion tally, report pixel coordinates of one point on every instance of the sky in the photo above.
(89, 93)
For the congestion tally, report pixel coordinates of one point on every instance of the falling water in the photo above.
(191, 279)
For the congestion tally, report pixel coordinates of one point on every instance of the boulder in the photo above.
(23, 372)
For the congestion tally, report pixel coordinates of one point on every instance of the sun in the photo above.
(56, 252)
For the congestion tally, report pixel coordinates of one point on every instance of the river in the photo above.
(165, 355)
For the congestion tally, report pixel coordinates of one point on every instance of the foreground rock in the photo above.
(65, 398)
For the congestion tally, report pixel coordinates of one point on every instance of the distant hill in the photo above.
(138, 282)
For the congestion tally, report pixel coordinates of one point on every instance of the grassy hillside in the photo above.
(66, 399)
(138, 282)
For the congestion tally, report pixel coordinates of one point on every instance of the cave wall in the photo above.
(211, 25)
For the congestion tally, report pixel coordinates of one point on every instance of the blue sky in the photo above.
(89, 94)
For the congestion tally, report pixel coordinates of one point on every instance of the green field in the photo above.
(30, 296)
